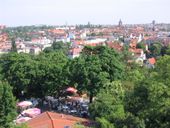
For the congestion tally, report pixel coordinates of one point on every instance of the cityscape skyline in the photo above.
(55, 12)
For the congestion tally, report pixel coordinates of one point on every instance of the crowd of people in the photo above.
(70, 103)
(77, 106)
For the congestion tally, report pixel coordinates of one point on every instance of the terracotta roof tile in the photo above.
(54, 120)
(152, 61)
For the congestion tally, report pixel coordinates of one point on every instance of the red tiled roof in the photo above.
(57, 31)
(75, 51)
(152, 61)
(54, 120)
(115, 45)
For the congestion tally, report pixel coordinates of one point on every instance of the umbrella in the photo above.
(71, 89)
(24, 104)
(80, 99)
(22, 120)
(32, 112)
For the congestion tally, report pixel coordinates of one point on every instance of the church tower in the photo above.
(153, 25)
(120, 23)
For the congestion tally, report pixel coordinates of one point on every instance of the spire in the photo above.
(120, 23)
(153, 25)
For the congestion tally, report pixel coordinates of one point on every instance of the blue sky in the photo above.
(58, 12)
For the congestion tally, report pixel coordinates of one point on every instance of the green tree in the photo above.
(155, 49)
(93, 34)
(109, 104)
(162, 70)
(131, 121)
(150, 101)
(111, 61)
(15, 69)
(168, 50)
(141, 45)
(96, 66)
(100, 34)
(7, 105)
(79, 126)
(125, 54)
(35, 75)
(50, 74)
(145, 104)
(87, 74)
(103, 123)
(59, 46)
(14, 47)
(165, 50)
(48, 49)
(20, 126)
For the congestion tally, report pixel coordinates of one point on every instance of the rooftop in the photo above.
(54, 120)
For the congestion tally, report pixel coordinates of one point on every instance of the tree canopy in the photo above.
(35, 75)
(58, 46)
(96, 66)
(7, 105)
(143, 99)
(124, 95)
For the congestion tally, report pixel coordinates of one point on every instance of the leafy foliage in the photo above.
(125, 96)
(35, 75)
(103, 123)
(96, 66)
(111, 98)
(7, 105)
(145, 101)
(14, 47)
(20, 126)
(155, 49)
(58, 46)
(141, 45)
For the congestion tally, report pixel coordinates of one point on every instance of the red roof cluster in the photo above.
(57, 31)
(115, 45)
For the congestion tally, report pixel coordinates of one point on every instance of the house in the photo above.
(5, 45)
(94, 42)
(137, 53)
(35, 50)
(83, 35)
(55, 120)
(23, 47)
(74, 52)
(5, 48)
(150, 63)
(115, 45)
(20, 47)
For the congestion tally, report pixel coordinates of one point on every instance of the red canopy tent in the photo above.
(71, 89)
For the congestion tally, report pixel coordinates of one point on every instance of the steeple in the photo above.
(153, 25)
(120, 23)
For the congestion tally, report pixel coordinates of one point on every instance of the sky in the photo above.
(60, 12)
